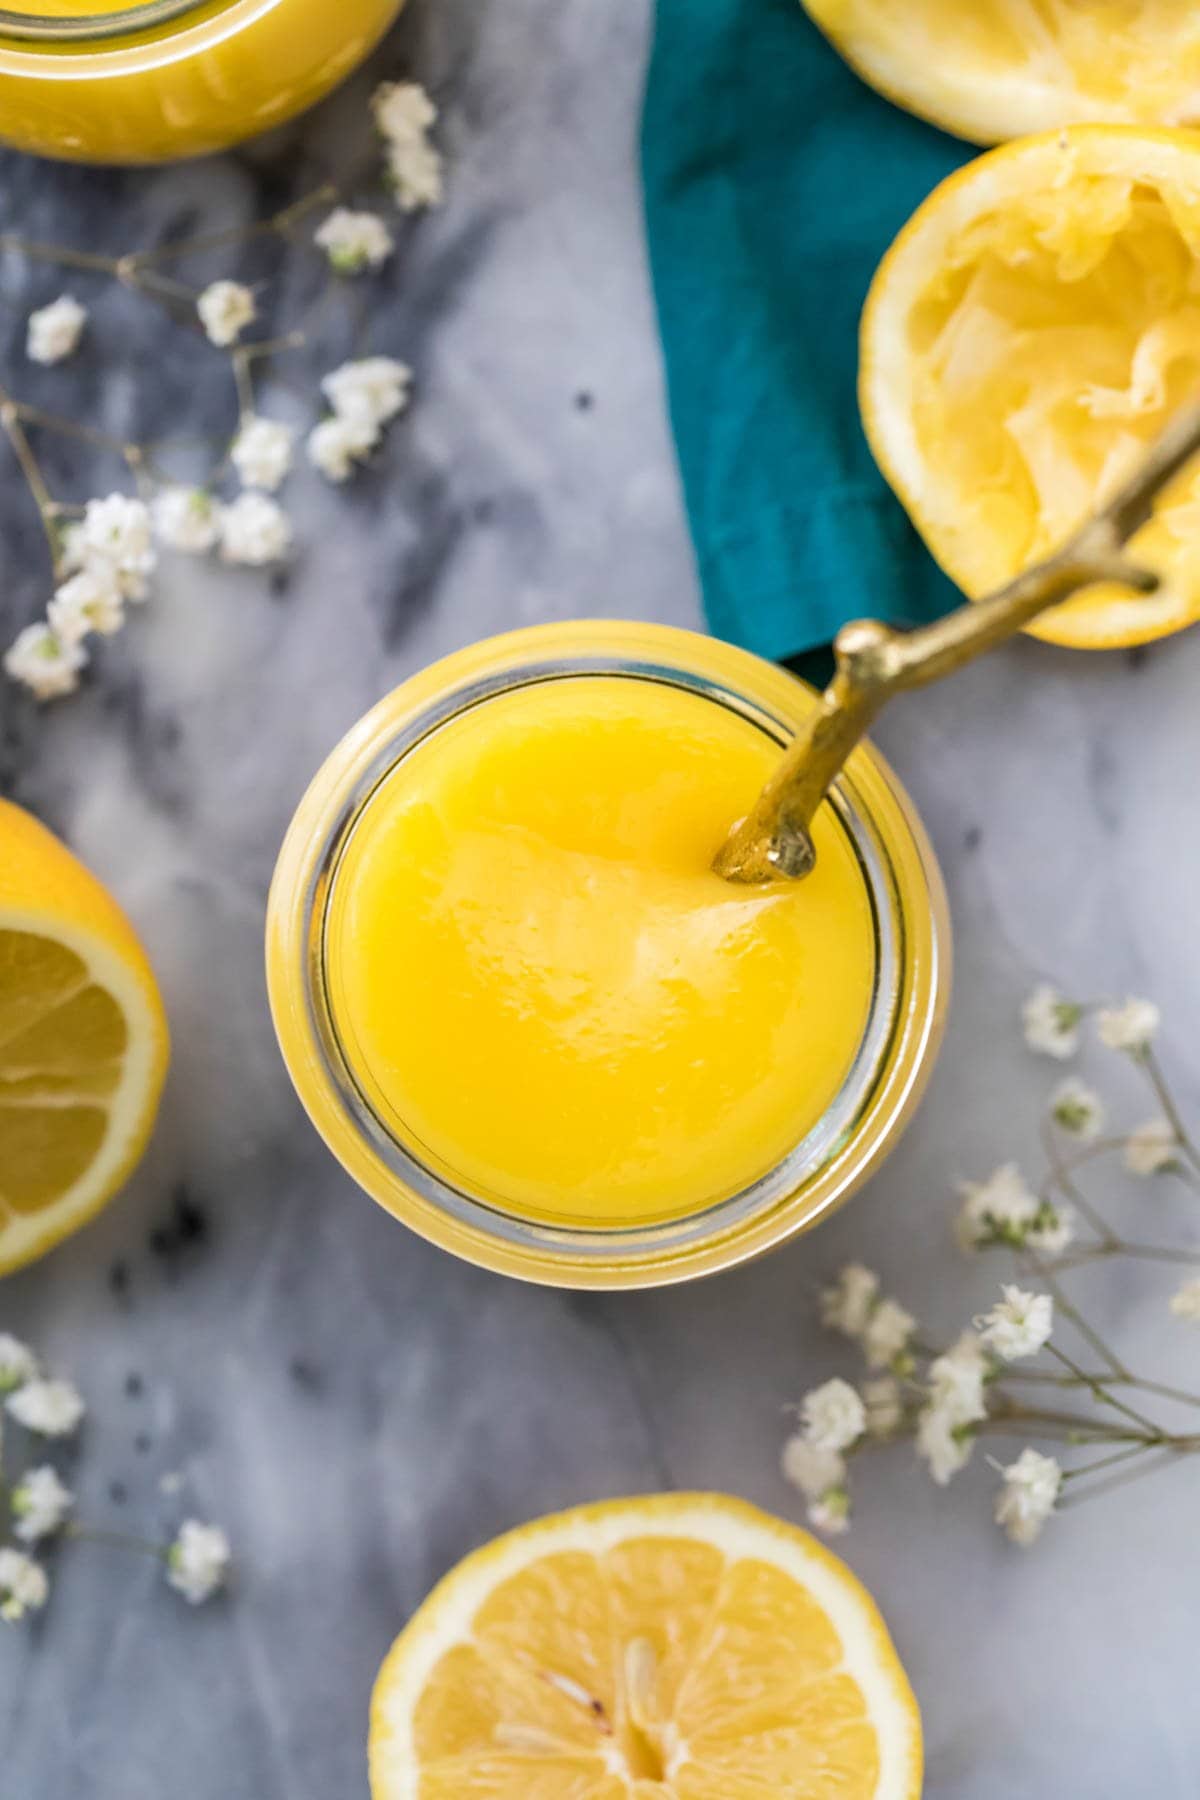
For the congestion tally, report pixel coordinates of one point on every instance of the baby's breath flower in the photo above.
(1130, 1027)
(834, 1416)
(811, 1470)
(198, 1561)
(114, 535)
(944, 1442)
(18, 1364)
(1077, 1109)
(225, 309)
(403, 111)
(956, 1381)
(1053, 1228)
(831, 1512)
(1051, 1023)
(372, 391)
(51, 1408)
(1002, 1212)
(54, 331)
(262, 453)
(414, 174)
(1151, 1148)
(42, 662)
(886, 1337)
(40, 1504)
(1019, 1325)
(1185, 1303)
(336, 446)
(820, 1476)
(187, 518)
(846, 1305)
(254, 530)
(23, 1585)
(1028, 1497)
(354, 241)
(89, 601)
(884, 1406)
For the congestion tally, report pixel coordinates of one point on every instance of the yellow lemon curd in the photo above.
(543, 990)
(147, 80)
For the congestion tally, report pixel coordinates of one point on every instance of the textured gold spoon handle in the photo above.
(874, 662)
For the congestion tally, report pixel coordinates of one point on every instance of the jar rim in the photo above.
(571, 1253)
(39, 28)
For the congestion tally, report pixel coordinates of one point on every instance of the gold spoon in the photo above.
(874, 662)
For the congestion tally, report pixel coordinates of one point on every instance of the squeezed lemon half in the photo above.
(1032, 329)
(989, 70)
(685, 1647)
(83, 1042)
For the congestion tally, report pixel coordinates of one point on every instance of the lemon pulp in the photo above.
(83, 1042)
(682, 1647)
(1033, 329)
(997, 69)
(539, 983)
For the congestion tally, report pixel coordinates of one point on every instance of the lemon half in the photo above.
(83, 1042)
(990, 70)
(1032, 329)
(685, 1647)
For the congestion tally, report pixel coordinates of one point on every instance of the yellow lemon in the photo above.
(995, 69)
(1033, 327)
(83, 1042)
(685, 1647)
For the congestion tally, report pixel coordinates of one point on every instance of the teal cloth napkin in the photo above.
(775, 180)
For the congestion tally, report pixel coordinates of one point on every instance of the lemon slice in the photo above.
(83, 1042)
(989, 70)
(1033, 327)
(686, 1647)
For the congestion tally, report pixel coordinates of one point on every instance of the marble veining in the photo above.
(356, 1407)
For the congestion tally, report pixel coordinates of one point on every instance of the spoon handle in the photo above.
(874, 662)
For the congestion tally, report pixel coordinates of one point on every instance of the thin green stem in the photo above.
(1106, 1462)
(115, 1540)
(1166, 1100)
(14, 430)
(64, 257)
(1104, 1396)
(1169, 1453)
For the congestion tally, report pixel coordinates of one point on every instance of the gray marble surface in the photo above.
(356, 1407)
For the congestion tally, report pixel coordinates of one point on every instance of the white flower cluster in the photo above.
(107, 557)
(836, 1418)
(943, 1408)
(365, 397)
(854, 1306)
(404, 115)
(198, 1561)
(1052, 1023)
(1030, 1493)
(354, 241)
(54, 331)
(1003, 1212)
(225, 309)
(40, 1504)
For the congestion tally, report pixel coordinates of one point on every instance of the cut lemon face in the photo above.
(1033, 327)
(989, 70)
(83, 1042)
(686, 1647)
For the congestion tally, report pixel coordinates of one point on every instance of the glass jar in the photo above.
(165, 79)
(894, 1057)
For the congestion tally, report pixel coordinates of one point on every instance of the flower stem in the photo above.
(1166, 1100)
(115, 1540)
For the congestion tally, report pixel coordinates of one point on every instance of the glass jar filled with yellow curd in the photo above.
(151, 80)
(529, 1018)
